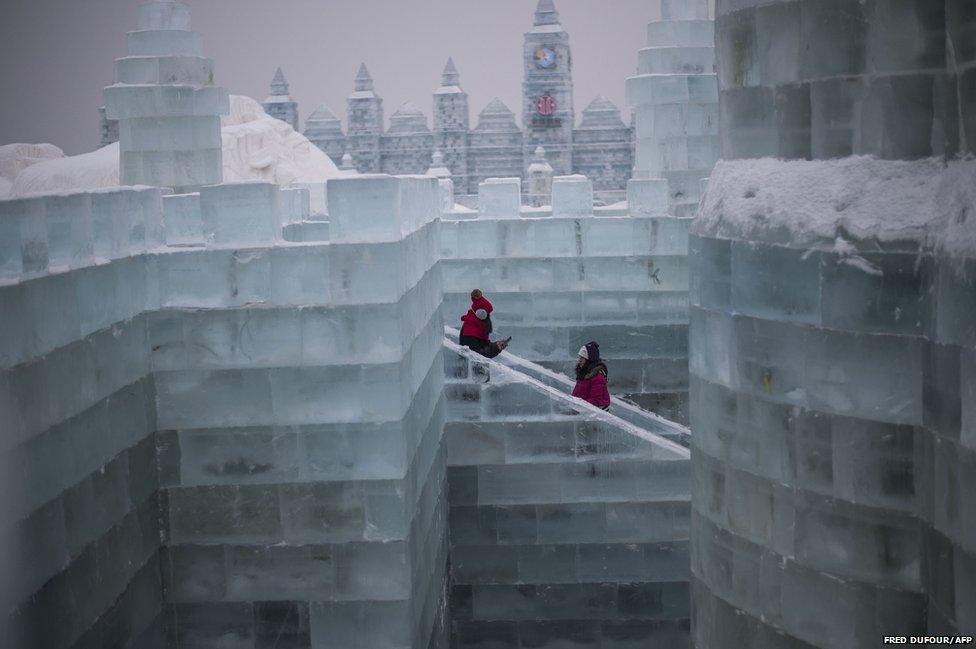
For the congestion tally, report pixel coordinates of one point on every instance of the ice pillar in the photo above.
(166, 103)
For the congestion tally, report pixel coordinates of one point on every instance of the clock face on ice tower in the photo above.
(545, 57)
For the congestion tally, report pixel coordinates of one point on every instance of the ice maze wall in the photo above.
(832, 380)
(233, 441)
(561, 278)
(81, 534)
(566, 528)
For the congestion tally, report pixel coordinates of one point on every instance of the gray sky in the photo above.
(56, 55)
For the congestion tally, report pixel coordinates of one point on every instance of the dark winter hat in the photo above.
(590, 351)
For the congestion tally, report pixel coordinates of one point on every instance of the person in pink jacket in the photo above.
(591, 377)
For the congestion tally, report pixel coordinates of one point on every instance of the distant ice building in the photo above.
(324, 130)
(407, 145)
(279, 104)
(599, 147)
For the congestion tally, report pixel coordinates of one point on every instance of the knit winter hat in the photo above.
(590, 351)
(481, 313)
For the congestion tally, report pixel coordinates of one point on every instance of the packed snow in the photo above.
(255, 147)
(826, 203)
(94, 170)
(14, 158)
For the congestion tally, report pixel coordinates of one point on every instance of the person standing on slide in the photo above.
(476, 327)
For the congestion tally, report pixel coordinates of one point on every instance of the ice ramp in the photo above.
(644, 421)
(568, 524)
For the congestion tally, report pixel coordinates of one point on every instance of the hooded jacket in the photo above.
(591, 385)
(472, 325)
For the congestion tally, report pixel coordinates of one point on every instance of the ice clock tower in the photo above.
(547, 90)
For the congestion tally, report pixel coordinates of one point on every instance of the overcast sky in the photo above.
(56, 55)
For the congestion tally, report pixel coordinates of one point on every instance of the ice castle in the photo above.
(235, 414)
(599, 147)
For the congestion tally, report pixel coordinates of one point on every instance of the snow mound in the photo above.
(14, 158)
(87, 171)
(255, 147)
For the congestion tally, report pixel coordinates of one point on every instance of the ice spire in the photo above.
(279, 85)
(546, 14)
(450, 76)
(364, 82)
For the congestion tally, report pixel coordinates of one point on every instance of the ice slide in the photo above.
(624, 414)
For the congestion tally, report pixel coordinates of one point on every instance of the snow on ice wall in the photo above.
(296, 391)
(831, 342)
(565, 526)
(560, 281)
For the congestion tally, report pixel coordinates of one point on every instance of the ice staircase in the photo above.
(568, 524)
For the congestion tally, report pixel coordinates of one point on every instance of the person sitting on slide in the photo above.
(476, 327)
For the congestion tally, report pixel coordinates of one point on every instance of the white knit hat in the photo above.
(481, 313)
(583, 353)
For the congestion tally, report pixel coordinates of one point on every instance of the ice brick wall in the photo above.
(79, 526)
(566, 529)
(816, 79)
(806, 401)
(299, 407)
(828, 377)
(230, 439)
(558, 282)
(945, 457)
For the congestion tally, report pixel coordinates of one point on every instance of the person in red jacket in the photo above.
(591, 377)
(476, 327)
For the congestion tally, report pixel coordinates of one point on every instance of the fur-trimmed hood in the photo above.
(591, 370)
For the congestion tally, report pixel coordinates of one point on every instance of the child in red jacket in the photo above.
(591, 377)
(476, 327)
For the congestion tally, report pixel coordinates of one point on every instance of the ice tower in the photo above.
(833, 344)
(495, 146)
(451, 122)
(279, 103)
(324, 130)
(547, 90)
(364, 123)
(675, 95)
(601, 146)
(166, 103)
(406, 146)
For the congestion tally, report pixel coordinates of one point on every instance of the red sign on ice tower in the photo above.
(545, 106)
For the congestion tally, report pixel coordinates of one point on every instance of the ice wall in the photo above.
(80, 530)
(675, 100)
(298, 391)
(570, 276)
(832, 330)
(231, 438)
(567, 527)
